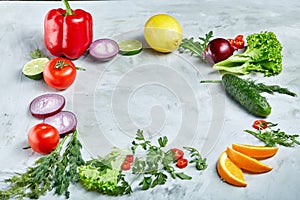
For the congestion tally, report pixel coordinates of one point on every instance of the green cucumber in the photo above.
(246, 95)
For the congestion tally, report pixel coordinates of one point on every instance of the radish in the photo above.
(65, 122)
(46, 105)
(104, 49)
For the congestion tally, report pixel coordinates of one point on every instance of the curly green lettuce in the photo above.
(104, 174)
(263, 54)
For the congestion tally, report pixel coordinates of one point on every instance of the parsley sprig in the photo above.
(200, 162)
(157, 164)
(52, 171)
(271, 136)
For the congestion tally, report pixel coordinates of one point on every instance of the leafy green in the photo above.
(271, 136)
(263, 54)
(261, 87)
(66, 170)
(156, 163)
(104, 174)
(197, 158)
(65, 166)
(37, 53)
(53, 171)
(195, 47)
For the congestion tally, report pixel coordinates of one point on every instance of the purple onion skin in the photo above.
(217, 50)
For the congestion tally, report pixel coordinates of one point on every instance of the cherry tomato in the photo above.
(182, 163)
(239, 38)
(260, 124)
(43, 138)
(231, 41)
(59, 73)
(129, 158)
(239, 44)
(178, 154)
(126, 166)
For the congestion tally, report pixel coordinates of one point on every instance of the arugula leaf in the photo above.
(195, 47)
(261, 87)
(271, 136)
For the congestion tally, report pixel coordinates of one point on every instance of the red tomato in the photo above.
(129, 158)
(239, 38)
(182, 163)
(239, 44)
(59, 73)
(43, 138)
(178, 154)
(231, 41)
(126, 166)
(260, 124)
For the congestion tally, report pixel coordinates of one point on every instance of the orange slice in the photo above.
(258, 152)
(229, 172)
(246, 162)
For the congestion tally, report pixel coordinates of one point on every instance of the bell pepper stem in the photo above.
(68, 7)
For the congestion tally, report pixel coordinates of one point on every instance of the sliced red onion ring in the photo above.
(46, 105)
(104, 49)
(65, 122)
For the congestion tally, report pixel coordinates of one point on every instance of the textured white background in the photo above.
(223, 122)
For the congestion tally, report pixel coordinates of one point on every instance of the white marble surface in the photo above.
(158, 93)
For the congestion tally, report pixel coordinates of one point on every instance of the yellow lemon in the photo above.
(163, 33)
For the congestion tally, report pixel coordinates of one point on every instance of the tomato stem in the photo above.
(60, 64)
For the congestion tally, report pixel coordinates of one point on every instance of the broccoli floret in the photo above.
(263, 54)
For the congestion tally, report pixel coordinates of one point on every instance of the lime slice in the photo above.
(34, 68)
(130, 47)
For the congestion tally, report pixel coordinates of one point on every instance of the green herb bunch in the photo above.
(271, 137)
(54, 171)
(155, 167)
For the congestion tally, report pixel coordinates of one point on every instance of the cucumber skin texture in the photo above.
(245, 95)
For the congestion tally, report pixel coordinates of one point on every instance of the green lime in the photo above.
(130, 47)
(34, 68)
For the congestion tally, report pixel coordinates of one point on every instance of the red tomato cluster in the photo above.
(127, 163)
(238, 42)
(178, 154)
(180, 161)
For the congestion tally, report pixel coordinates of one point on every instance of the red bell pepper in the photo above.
(68, 32)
